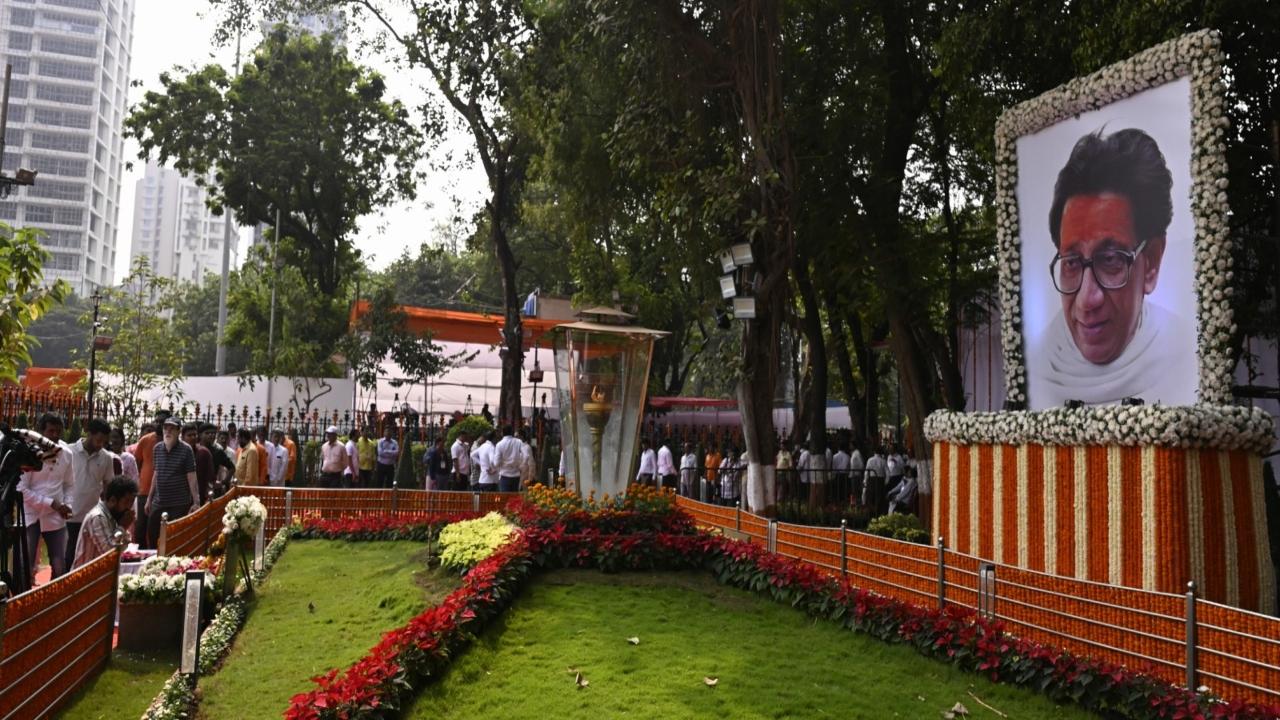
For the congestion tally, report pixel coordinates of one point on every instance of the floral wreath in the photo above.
(1211, 423)
(1198, 55)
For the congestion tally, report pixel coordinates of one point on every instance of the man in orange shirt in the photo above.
(712, 468)
(145, 453)
(292, 447)
(259, 438)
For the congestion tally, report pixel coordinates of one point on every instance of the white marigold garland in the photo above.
(1197, 55)
(1217, 427)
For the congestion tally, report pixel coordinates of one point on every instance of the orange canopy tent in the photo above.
(465, 327)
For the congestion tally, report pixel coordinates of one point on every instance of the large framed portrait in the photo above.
(1112, 219)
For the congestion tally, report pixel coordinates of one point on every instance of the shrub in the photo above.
(463, 544)
(899, 526)
(474, 425)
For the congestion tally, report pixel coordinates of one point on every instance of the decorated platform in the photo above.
(1120, 457)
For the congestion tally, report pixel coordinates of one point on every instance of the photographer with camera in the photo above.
(46, 495)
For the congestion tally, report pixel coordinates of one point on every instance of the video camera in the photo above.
(20, 451)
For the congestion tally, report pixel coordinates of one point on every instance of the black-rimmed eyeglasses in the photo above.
(1110, 267)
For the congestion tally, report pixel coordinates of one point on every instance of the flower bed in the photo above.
(403, 527)
(407, 658)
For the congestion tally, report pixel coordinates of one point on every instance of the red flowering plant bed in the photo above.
(421, 527)
(643, 508)
(406, 659)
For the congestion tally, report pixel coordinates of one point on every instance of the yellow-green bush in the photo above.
(463, 544)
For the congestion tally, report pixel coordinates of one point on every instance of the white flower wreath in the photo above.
(1199, 56)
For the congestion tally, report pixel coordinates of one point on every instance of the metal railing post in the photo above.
(4, 594)
(1191, 637)
(737, 516)
(164, 532)
(942, 573)
(395, 497)
(288, 507)
(772, 537)
(844, 548)
(120, 542)
(475, 501)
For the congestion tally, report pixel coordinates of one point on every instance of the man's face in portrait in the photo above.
(1102, 321)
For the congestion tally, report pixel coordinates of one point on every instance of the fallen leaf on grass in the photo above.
(957, 711)
(580, 681)
(711, 681)
(633, 640)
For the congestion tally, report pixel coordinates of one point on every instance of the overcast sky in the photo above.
(172, 32)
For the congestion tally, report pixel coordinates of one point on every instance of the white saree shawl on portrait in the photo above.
(1155, 356)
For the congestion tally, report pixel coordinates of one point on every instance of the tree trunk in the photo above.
(817, 396)
(870, 370)
(844, 365)
(512, 330)
(755, 395)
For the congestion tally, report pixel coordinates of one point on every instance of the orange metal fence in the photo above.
(1236, 653)
(55, 637)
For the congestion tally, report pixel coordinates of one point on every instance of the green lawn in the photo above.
(123, 690)
(325, 603)
(770, 660)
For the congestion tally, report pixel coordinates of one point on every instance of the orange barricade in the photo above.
(1237, 651)
(55, 637)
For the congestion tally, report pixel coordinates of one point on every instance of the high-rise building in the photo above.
(70, 62)
(174, 227)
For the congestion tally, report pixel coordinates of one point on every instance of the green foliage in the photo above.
(383, 333)
(59, 334)
(302, 131)
(148, 354)
(463, 544)
(899, 526)
(23, 300)
(473, 425)
(195, 317)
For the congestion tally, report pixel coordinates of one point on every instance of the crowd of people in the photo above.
(884, 482)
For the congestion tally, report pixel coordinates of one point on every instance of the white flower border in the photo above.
(1217, 427)
(1198, 55)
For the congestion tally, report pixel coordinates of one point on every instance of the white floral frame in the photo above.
(1198, 55)
(1213, 422)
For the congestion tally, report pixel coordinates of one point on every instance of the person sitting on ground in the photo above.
(903, 495)
(113, 513)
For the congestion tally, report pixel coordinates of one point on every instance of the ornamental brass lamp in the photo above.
(602, 370)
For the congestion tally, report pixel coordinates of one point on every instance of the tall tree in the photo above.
(147, 355)
(471, 52)
(302, 131)
(23, 300)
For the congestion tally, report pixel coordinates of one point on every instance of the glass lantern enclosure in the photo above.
(602, 371)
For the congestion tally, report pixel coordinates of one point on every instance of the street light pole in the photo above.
(220, 354)
(93, 350)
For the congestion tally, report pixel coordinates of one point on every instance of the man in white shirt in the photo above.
(873, 488)
(840, 473)
(857, 470)
(648, 464)
(45, 496)
(528, 467)
(666, 465)
(91, 468)
(803, 463)
(482, 459)
(277, 459)
(460, 451)
(508, 459)
(351, 473)
(688, 470)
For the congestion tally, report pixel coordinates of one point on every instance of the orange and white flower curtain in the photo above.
(1152, 518)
